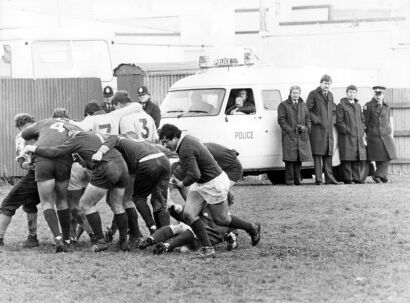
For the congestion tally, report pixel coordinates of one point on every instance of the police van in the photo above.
(203, 105)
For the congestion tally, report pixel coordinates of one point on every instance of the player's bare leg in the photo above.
(193, 207)
(121, 218)
(46, 193)
(222, 217)
(76, 211)
(89, 199)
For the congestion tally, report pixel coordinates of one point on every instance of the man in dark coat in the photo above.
(148, 106)
(321, 108)
(294, 120)
(379, 134)
(350, 127)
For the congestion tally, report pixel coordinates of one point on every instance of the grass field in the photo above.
(347, 243)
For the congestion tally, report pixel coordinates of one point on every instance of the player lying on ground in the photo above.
(169, 237)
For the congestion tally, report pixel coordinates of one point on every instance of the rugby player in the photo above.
(168, 238)
(152, 172)
(208, 184)
(111, 174)
(52, 177)
(109, 123)
(25, 192)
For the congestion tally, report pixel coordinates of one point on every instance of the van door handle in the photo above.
(260, 117)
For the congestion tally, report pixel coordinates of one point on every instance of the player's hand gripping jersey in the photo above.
(103, 123)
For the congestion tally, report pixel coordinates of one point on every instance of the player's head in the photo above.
(60, 113)
(169, 136)
(121, 98)
(23, 119)
(91, 108)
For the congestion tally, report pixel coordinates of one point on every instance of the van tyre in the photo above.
(277, 177)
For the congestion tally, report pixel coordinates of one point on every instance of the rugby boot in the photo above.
(146, 242)
(123, 246)
(134, 242)
(231, 241)
(206, 252)
(161, 248)
(60, 247)
(1, 245)
(256, 234)
(152, 229)
(68, 247)
(98, 245)
(31, 241)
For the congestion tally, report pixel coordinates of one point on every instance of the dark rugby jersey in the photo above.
(85, 144)
(132, 150)
(50, 132)
(226, 159)
(197, 162)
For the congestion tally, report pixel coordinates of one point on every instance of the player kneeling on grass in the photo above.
(168, 238)
(111, 174)
(208, 184)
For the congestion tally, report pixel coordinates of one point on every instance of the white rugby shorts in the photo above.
(214, 191)
(79, 177)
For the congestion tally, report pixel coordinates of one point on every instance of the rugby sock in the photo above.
(199, 229)
(145, 212)
(162, 218)
(81, 219)
(133, 222)
(162, 234)
(32, 224)
(64, 218)
(241, 224)
(4, 223)
(52, 221)
(122, 223)
(184, 238)
(95, 221)
(114, 226)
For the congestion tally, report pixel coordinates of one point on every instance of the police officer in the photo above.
(149, 107)
(379, 134)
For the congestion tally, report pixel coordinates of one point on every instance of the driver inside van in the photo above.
(243, 104)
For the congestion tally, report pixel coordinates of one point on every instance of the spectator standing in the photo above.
(148, 106)
(350, 127)
(294, 120)
(379, 134)
(322, 113)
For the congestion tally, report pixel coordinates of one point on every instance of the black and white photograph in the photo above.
(205, 151)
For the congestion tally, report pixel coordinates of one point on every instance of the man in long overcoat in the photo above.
(379, 134)
(321, 108)
(294, 120)
(350, 127)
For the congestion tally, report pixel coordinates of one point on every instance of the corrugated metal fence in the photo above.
(39, 98)
(399, 100)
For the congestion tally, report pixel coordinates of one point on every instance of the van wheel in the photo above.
(277, 176)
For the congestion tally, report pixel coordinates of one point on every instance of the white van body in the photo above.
(55, 54)
(256, 137)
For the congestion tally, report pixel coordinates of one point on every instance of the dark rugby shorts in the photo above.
(58, 169)
(23, 193)
(110, 174)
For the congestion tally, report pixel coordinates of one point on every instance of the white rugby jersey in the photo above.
(142, 124)
(107, 123)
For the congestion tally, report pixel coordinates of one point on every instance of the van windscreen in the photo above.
(192, 102)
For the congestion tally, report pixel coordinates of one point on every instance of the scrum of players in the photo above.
(116, 158)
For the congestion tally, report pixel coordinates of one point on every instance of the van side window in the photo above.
(271, 99)
(5, 61)
(240, 102)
